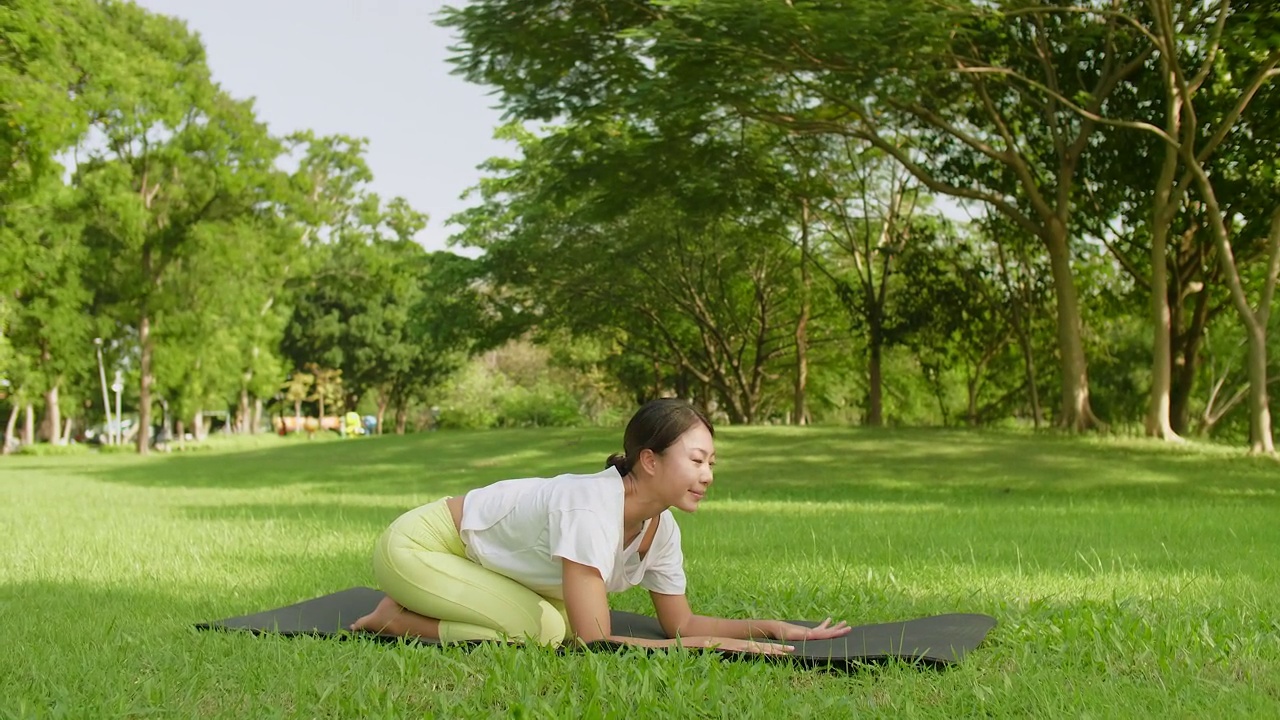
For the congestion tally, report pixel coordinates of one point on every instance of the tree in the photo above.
(444, 325)
(44, 61)
(49, 327)
(297, 389)
(327, 387)
(679, 270)
(868, 210)
(354, 309)
(843, 71)
(178, 153)
(46, 52)
(1214, 60)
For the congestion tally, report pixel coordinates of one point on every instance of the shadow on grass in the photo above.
(384, 465)
(782, 464)
(322, 514)
(854, 548)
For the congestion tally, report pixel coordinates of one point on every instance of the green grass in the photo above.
(1129, 579)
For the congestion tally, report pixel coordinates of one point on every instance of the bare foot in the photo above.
(391, 618)
(385, 619)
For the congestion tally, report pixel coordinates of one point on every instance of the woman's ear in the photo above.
(648, 460)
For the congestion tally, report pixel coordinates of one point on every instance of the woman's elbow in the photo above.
(673, 629)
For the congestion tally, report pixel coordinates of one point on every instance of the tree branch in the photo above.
(1013, 159)
(1266, 73)
(1215, 42)
(1077, 10)
(1273, 269)
(871, 135)
(1130, 124)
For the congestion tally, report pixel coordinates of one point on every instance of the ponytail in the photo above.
(618, 461)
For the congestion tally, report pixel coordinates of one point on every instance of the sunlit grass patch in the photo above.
(1128, 578)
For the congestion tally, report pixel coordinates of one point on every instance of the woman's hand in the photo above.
(824, 631)
(747, 646)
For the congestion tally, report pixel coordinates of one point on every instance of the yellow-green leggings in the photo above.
(420, 563)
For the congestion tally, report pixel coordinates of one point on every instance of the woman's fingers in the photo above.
(751, 646)
(771, 648)
(822, 631)
(825, 630)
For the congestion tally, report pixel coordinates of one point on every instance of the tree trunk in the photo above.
(1167, 202)
(1255, 322)
(180, 433)
(297, 416)
(29, 425)
(1180, 392)
(401, 418)
(144, 386)
(1186, 362)
(1158, 406)
(1037, 412)
(257, 416)
(197, 426)
(9, 427)
(383, 401)
(68, 425)
(242, 413)
(1260, 437)
(53, 417)
(875, 385)
(1023, 335)
(971, 410)
(1076, 414)
(683, 388)
(800, 411)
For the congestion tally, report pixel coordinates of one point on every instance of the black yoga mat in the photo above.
(938, 641)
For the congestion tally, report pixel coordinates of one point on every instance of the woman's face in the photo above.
(683, 472)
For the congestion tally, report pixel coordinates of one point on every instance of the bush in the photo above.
(49, 450)
(544, 405)
(468, 401)
(520, 385)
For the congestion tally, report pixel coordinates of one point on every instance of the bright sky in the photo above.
(368, 68)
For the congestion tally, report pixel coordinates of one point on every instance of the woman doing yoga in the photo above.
(535, 557)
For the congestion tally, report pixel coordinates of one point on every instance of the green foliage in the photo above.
(718, 174)
(44, 48)
(53, 450)
(327, 389)
(543, 405)
(48, 326)
(686, 278)
(526, 385)
(470, 399)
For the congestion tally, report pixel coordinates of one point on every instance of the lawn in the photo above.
(1129, 579)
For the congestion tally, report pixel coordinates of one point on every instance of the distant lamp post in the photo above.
(106, 402)
(117, 386)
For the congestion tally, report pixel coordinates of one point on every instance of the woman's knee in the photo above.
(552, 627)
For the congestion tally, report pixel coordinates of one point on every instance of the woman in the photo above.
(535, 557)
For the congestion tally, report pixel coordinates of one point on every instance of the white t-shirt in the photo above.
(522, 528)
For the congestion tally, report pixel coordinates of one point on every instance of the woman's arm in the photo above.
(587, 605)
(678, 620)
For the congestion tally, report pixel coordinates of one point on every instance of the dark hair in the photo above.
(655, 426)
